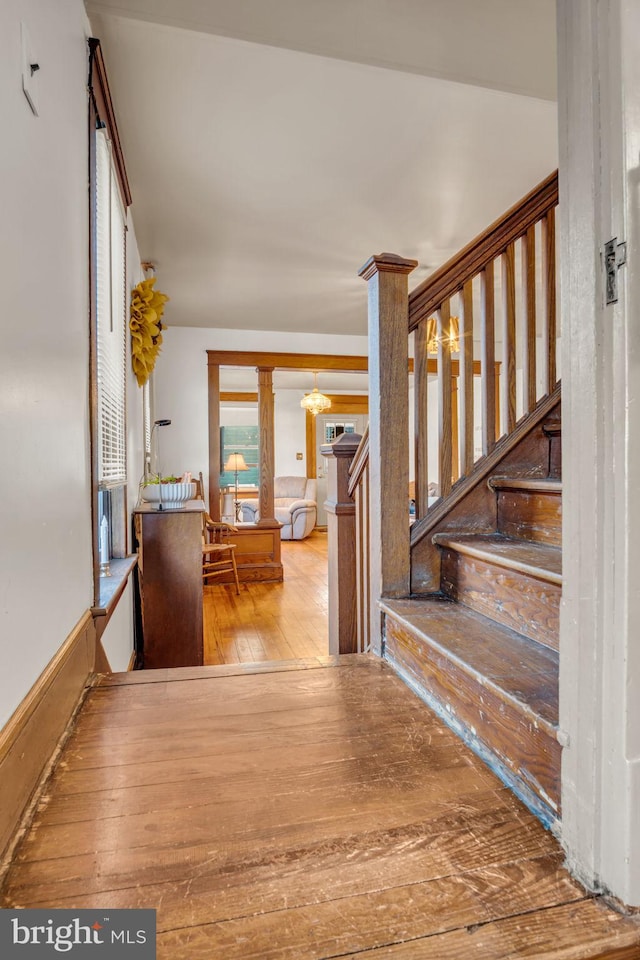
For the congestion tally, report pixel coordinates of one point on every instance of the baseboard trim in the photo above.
(30, 738)
(102, 664)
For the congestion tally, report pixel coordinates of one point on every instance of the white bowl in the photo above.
(170, 495)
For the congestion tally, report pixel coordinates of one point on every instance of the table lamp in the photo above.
(235, 464)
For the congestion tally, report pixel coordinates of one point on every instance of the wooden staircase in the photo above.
(483, 650)
(465, 603)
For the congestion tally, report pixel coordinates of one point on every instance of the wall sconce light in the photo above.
(452, 340)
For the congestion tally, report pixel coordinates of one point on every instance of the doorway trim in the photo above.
(263, 360)
(356, 404)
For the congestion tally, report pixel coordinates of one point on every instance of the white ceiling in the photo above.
(272, 146)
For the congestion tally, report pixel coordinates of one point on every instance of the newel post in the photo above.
(388, 294)
(341, 530)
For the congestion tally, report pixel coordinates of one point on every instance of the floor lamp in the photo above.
(235, 464)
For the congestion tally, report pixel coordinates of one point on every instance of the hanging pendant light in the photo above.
(315, 402)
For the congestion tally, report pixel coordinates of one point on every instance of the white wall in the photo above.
(180, 384)
(117, 639)
(45, 492)
(291, 434)
(45, 544)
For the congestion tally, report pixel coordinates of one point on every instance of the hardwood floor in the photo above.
(307, 811)
(272, 621)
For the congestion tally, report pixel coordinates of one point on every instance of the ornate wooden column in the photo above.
(266, 421)
(258, 547)
(341, 530)
(388, 289)
(215, 467)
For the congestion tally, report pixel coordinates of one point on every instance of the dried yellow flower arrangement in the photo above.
(147, 306)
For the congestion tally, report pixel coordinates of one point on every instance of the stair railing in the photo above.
(505, 335)
(358, 490)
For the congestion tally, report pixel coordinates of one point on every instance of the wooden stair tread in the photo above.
(552, 428)
(521, 670)
(539, 560)
(531, 484)
(223, 670)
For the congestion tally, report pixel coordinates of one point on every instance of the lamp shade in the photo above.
(235, 463)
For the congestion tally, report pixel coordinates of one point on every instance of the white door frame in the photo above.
(599, 129)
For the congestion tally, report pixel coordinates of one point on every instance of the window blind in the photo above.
(111, 303)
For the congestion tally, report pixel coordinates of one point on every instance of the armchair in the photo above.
(294, 507)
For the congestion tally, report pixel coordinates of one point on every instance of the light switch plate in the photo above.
(29, 74)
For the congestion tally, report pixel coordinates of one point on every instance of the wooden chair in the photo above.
(218, 554)
(199, 487)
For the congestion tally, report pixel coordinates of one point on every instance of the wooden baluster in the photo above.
(445, 439)
(499, 397)
(388, 296)
(465, 386)
(359, 490)
(490, 395)
(509, 335)
(215, 466)
(360, 555)
(549, 282)
(341, 531)
(529, 303)
(420, 399)
(455, 436)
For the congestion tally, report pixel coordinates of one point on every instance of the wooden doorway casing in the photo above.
(266, 563)
(312, 362)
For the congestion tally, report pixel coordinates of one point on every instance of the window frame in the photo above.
(111, 320)
(101, 116)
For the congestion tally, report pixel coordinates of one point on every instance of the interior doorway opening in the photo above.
(329, 427)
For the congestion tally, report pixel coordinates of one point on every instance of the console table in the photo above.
(170, 584)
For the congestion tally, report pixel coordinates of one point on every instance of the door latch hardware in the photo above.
(615, 254)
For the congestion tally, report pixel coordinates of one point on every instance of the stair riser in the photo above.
(555, 457)
(531, 515)
(516, 600)
(553, 429)
(527, 748)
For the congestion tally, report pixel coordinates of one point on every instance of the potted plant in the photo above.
(168, 492)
